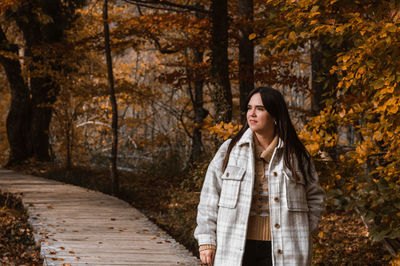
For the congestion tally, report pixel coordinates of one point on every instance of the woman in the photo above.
(260, 200)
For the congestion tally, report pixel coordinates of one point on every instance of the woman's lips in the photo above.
(252, 121)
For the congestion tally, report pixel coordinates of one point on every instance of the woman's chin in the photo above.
(261, 131)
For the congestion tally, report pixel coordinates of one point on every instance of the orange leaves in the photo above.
(9, 5)
(252, 36)
(360, 126)
(377, 136)
(292, 36)
(314, 9)
(362, 152)
(17, 242)
(389, 106)
(396, 260)
(224, 130)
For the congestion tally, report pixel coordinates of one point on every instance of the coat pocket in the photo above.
(295, 192)
(231, 180)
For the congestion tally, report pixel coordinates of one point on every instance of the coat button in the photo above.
(227, 174)
(277, 226)
(279, 251)
(275, 174)
(276, 199)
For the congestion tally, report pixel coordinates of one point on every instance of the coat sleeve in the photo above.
(207, 210)
(315, 200)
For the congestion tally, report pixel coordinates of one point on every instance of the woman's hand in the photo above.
(207, 256)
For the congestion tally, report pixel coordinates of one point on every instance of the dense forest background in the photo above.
(152, 87)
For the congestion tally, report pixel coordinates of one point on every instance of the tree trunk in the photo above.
(199, 112)
(31, 106)
(43, 87)
(221, 91)
(43, 92)
(323, 57)
(246, 54)
(114, 126)
(319, 75)
(19, 115)
(68, 143)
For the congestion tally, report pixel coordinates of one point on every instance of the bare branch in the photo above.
(160, 4)
(183, 122)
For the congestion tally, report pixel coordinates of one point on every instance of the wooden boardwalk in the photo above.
(77, 226)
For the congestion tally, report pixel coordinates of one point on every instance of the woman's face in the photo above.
(258, 118)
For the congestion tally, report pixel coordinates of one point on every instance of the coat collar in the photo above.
(247, 138)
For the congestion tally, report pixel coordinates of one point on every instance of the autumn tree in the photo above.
(355, 44)
(114, 107)
(18, 119)
(42, 24)
(246, 53)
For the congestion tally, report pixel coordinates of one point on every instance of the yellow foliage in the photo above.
(252, 36)
(396, 260)
(224, 130)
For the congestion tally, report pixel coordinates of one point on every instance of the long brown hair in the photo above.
(275, 104)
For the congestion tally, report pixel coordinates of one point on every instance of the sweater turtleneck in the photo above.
(259, 223)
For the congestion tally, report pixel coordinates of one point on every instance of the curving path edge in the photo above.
(77, 226)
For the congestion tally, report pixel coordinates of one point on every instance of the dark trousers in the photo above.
(257, 253)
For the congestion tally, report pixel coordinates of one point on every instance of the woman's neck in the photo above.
(265, 138)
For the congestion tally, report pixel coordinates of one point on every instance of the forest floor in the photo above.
(343, 239)
(17, 245)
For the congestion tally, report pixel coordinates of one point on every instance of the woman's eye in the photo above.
(260, 108)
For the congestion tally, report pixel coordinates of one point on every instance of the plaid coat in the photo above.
(223, 211)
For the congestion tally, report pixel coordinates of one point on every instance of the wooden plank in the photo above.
(83, 227)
